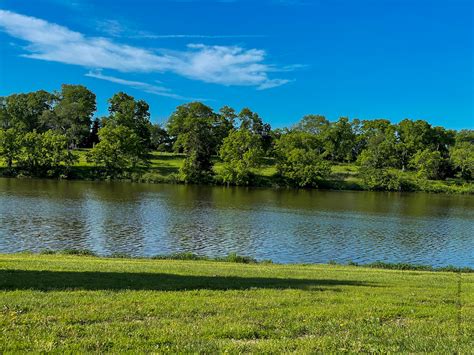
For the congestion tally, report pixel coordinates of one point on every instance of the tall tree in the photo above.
(72, 115)
(340, 140)
(413, 136)
(298, 161)
(381, 147)
(46, 153)
(319, 127)
(23, 111)
(125, 111)
(462, 157)
(427, 163)
(252, 122)
(314, 124)
(10, 146)
(193, 125)
(240, 153)
(120, 148)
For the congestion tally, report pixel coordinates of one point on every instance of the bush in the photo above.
(78, 252)
(385, 180)
(45, 154)
(120, 148)
(427, 163)
(234, 258)
(298, 162)
(240, 153)
(180, 256)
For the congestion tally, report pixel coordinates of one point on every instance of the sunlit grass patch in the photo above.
(82, 303)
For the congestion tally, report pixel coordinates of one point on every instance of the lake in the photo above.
(286, 226)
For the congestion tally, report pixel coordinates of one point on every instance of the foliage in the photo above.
(193, 125)
(298, 162)
(23, 111)
(252, 122)
(380, 151)
(381, 179)
(72, 114)
(120, 148)
(46, 154)
(340, 141)
(390, 156)
(125, 111)
(10, 146)
(240, 153)
(462, 157)
(427, 163)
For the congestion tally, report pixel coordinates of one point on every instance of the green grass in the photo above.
(65, 303)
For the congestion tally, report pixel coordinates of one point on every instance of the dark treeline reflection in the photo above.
(282, 225)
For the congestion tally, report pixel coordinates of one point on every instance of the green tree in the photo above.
(119, 148)
(124, 110)
(462, 158)
(427, 163)
(298, 161)
(413, 136)
(340, 140)
(192, 126)
(381, 149)
(72, 115)
(319, 127)
(4, 117)
(240, 153)
(252, 122)
(314, 124)
(23, 111)
(46, 153)
(382, 179)
(465, 135)
(10, 146)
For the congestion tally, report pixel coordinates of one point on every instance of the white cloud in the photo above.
(226, 65)
(139, 85)
(147, 35)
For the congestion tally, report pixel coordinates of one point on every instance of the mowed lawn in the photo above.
(73, 303)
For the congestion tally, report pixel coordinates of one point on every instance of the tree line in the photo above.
(40, 132)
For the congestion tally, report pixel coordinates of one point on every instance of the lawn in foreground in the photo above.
(70, 303)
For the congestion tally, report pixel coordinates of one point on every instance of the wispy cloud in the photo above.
(173, 36)
(225, 65)
(115, 28)
(139, 85)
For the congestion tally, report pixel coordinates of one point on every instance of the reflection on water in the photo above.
(286, 226)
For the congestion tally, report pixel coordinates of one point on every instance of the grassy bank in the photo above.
(82, 303)
(164, 168)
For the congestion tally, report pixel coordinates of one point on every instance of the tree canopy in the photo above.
(40, 132)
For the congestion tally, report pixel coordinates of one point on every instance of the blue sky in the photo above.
(368, 59)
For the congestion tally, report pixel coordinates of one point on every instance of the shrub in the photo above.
(79, 252)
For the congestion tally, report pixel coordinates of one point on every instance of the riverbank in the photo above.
(164, 168)
(82, 303)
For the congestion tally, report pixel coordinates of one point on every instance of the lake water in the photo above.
(286, 226)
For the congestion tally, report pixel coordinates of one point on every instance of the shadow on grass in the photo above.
(62, 280)
(164, 170)
(173, 157)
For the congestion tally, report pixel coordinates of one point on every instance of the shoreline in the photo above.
(241, 259)
(446, 189)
